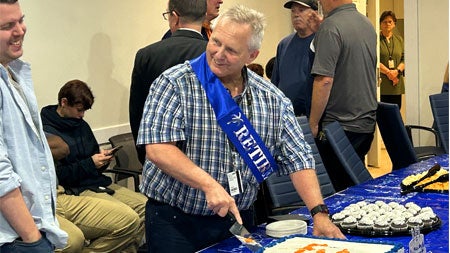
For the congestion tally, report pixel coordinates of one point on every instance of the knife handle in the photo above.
(230, 216)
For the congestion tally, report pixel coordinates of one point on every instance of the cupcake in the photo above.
(380, 203)
(427, 218)
(346, 212)
(373, 207)
(407, 215)
(381, 225)
(386, 208)
(381, 211)
(357, 215)
(412, 205)
(397, 212)
(400, 208)
(352, 207)
(370, 208)
(393, 204)
(385, 217)
(413, 211)
(372, 215)
(365, 224)
(426, 209)
(415, 222)
(399, 225)
(349, 222)
(338, 218)
(361, 203)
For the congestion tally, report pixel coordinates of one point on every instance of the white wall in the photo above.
(426, 56)
(96, 41)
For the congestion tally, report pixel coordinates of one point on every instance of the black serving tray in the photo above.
(372, 233)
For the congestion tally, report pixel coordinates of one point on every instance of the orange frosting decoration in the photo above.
(311, 246)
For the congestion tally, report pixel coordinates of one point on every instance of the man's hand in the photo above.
(314, 20)
(314, 129)
(220, 202)
(101, 159)
(14, 209)
(324, 227)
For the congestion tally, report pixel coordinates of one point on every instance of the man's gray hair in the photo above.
(244, 15)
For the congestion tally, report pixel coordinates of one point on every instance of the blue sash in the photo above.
(234, 122)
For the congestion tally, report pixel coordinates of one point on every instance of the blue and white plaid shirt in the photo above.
(177, 110)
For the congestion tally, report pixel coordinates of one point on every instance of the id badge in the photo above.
(234, 183)
(391, 64)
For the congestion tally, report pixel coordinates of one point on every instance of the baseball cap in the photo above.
(307, 3)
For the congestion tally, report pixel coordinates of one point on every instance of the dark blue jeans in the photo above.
(168, 229)
(18, 246)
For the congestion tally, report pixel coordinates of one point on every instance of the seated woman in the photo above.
(80, 172)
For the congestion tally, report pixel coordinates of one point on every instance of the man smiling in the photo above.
(27, 173)
(191, 128)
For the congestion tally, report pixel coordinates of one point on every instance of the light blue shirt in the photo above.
(25, 158)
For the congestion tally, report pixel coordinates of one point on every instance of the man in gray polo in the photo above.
(344, 87)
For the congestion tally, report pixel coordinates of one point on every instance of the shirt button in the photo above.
(46, 197)
(43, 168)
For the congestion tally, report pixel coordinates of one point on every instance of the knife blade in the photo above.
(242, 234)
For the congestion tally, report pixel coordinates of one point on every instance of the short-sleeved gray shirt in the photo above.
(345, 48)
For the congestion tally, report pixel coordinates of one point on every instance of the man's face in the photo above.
(212, 9)
(12, 32)
(67, 111)
(299, 16)
(227, 51)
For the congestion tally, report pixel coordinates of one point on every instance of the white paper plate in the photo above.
(286, 227)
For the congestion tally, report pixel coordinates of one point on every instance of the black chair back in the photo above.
(346, 153)
(395, 137)
(282, 193)
(127, 162)
(326, 186)
(439, 107)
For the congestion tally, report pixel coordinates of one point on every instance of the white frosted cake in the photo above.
(297, 243)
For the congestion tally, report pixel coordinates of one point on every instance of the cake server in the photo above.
(431, 172)
(441, 178)
(242, 234)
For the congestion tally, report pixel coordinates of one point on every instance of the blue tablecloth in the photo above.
(385, 188)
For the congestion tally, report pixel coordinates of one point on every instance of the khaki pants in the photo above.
(110, 223)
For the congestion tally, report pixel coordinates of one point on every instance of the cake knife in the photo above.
(242, 234)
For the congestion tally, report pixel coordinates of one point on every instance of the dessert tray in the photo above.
(372, 233)
(433, 180)
(385, 219)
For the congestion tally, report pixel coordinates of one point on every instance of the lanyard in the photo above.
(390, 52)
